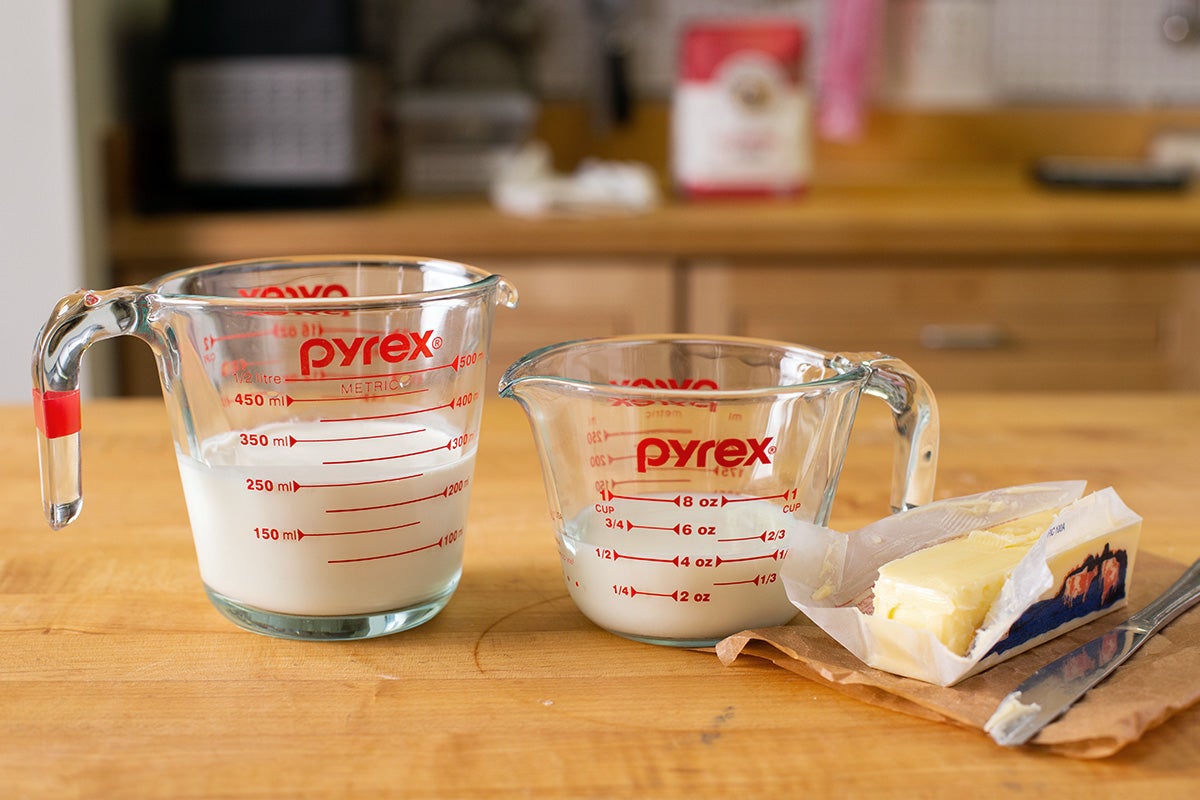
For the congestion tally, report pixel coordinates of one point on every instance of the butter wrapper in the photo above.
(1078, 569)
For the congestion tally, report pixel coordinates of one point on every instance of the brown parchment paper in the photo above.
(1159, 680)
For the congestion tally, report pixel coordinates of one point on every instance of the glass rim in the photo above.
(854, 371)
(476, 281)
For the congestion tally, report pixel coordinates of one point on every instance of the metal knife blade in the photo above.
(1048, 693)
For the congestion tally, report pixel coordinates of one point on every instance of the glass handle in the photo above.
(915, 411)
(77, 321)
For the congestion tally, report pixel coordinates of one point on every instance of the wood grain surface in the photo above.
(118, 679)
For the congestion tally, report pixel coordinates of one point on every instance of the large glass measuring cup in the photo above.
(325, 413)
(677, 466)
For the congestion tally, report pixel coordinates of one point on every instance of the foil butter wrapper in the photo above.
(1077, 570)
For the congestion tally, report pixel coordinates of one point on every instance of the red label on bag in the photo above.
(56, 413)
(706, 47)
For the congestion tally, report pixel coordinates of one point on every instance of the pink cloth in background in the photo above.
(849, 35)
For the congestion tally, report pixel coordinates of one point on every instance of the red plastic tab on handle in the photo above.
(56, 413)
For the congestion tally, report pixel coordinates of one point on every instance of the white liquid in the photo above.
(631, 572)
(280, 528)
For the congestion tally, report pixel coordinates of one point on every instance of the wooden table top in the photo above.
(118, 679)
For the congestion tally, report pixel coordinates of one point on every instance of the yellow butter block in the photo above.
(949, 588)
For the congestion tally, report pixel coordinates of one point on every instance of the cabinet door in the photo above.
(575, 298)
(985, 325)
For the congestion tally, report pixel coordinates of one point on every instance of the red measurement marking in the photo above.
(302, 535)
(727, 500)
(391, 416)
(616, 556)
(322, 329)
(777, 555)
(634, 592)
(210, 341)
(385, 555)
(765, 536)
(756, 580)
(242, 363)
(297, 486)
(443, 493)
(612, 459)
(445, 446)
(631, 527)
(294, 441)
(607, 495)
(645, 431)
(305, 379)
(291, 399)
(356, 331)
(237, 365)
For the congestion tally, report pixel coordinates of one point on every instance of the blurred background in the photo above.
(997, 191)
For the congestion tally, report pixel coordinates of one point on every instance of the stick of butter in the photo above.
(948, 588)
(964, 583)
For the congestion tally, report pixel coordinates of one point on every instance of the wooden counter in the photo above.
(117, 679)
(999, 216)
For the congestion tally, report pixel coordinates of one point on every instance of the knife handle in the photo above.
(1182, 595)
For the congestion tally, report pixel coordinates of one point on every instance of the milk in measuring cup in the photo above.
(653, 568)
(330, 519)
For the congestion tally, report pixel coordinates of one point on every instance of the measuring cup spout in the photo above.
(524, 380)
(516, 388)
(77, 321)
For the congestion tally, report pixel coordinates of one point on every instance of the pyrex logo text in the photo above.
(655, 452)
(393, 348)
(318, 290)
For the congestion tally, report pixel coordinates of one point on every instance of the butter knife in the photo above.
(1049, 692)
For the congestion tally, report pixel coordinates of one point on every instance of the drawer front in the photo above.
(987, 326)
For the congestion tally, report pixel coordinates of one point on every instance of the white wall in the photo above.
(41, 237)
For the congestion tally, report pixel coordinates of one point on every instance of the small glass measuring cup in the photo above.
(677, 466)
(325, 413)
